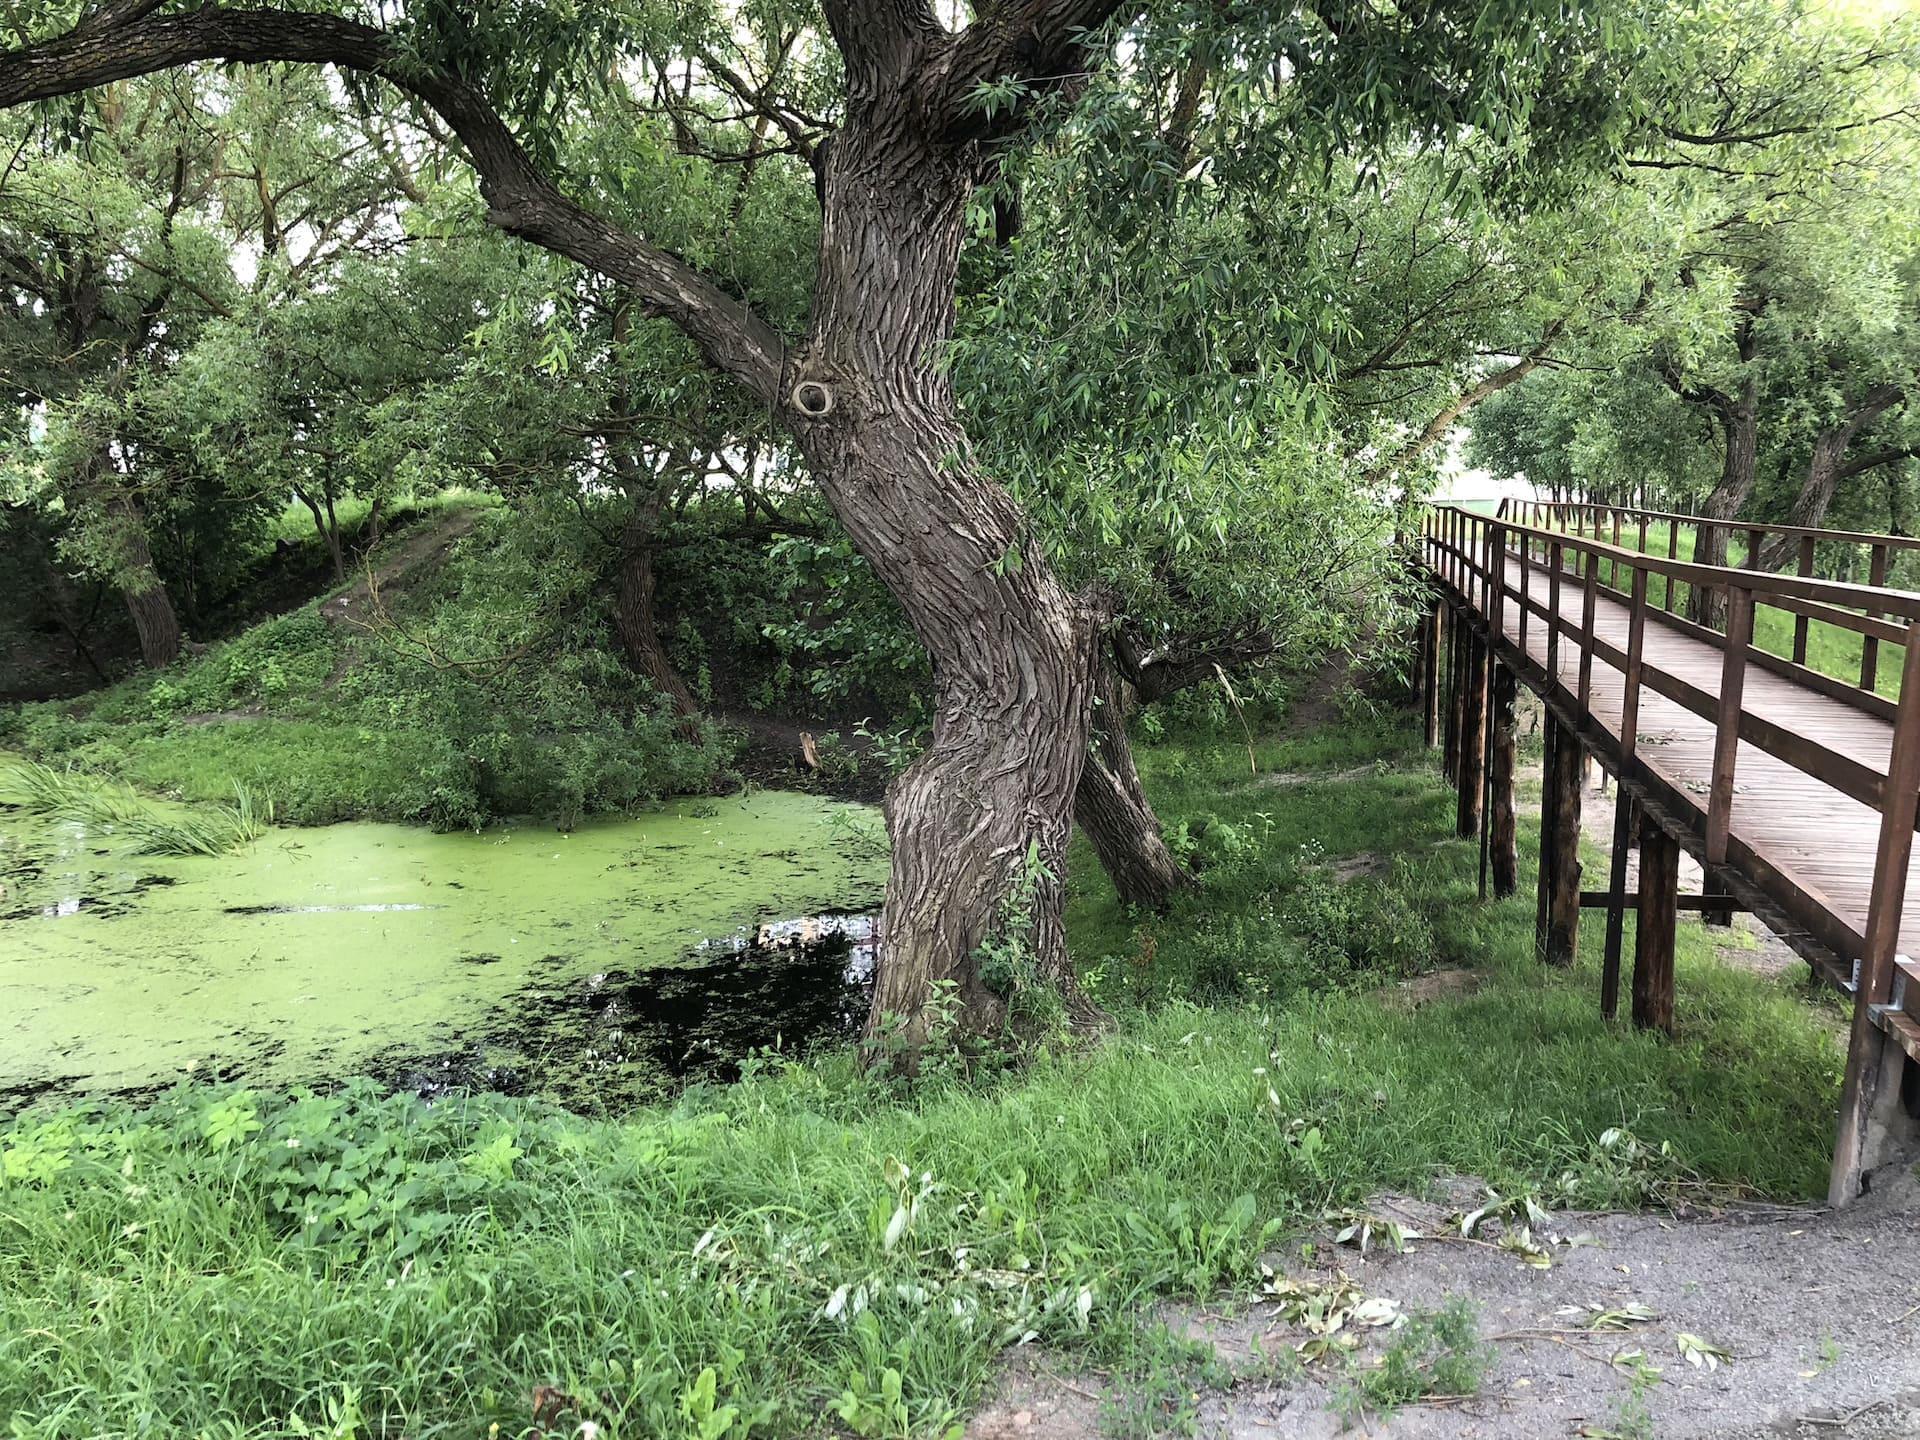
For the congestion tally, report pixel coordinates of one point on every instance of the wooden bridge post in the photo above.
(1872, 1121)
(1430, 672)
(1557, 932)
(1625, 813)
(1653, 930)
(1473, 738)
(1505, 852)
(1456, 692)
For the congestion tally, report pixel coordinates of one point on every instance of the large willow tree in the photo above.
(903, 111)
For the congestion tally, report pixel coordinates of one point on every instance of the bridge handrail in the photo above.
(1466, 558)
(1731, 525)
(1841, 593)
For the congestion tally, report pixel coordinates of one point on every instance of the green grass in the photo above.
(818, 1242)
(294, 524)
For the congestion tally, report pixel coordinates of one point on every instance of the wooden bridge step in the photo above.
(1904, 1029)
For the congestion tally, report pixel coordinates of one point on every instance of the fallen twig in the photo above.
(1841, 1422)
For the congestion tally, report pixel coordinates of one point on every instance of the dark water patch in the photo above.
(322, 909)
(66, 905)
(33, 888)
(15, 1099)
(620, 1037)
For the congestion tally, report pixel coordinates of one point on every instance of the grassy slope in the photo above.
(180, 1272)
(330, 721)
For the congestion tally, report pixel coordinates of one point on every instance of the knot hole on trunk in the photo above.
(813, 399)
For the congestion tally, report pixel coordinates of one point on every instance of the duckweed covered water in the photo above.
(590, 965)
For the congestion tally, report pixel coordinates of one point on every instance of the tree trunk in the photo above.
(328, 529)
(1739, 426)
(1826, 468)
(141, 587)
(633, 617)
(1112, 810)
(980, 821)
(335, 551)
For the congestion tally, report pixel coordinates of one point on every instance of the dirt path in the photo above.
(1820, 1312)
(394, 560)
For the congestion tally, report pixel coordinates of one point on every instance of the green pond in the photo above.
(593, 966)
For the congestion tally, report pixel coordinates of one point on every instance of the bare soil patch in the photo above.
(1434, 985)
(391, 564)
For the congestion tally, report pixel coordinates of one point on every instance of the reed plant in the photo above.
(154, 828)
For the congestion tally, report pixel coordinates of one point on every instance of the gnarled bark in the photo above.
(980, 821)
(1740, 433)
(142, 588)
(633, 617)
(1737, 413)
(1110, 805)
(1828, 466)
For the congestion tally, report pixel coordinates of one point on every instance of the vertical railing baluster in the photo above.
(1726, 736)
(1486, 588)
(1526, 588)
(1870, 646)
(1630, 696)
(1673, 553)
(1497, 575)
(1754, 538)
(1558, 559)
(1800, 622)
(1587, 602)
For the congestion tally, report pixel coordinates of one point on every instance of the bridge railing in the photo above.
(1494, 561)
(1792, 549)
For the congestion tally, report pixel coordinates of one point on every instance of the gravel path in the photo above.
(1820, 1311)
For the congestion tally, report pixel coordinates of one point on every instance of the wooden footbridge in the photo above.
(1794, 788)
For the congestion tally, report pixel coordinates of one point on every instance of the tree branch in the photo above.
(1035, 42)
(521, 200)
(1450, 414)
(1873, 460)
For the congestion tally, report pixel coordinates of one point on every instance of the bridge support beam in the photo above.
(1653, 930)
(1503, 847)
(1473, 738)
(1625, 814)
(1557, 915)
(1456, 692)
(1430, 643)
